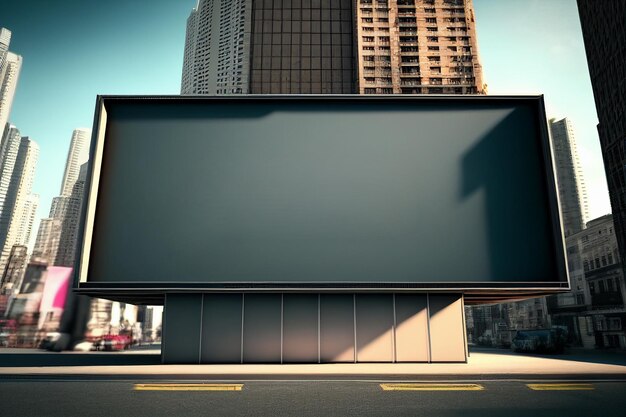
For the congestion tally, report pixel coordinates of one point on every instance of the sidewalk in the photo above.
(483, 364)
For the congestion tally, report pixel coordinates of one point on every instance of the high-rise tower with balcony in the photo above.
(417, 47)
(332, 47)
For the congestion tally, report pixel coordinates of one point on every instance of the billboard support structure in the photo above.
(388, 202)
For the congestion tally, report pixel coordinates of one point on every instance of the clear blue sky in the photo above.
(76, 49)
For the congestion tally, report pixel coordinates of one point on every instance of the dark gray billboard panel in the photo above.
(325, 192)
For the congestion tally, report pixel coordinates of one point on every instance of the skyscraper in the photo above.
(324, 46)
(302, 47)
(5, 41)
(68, 238)
(14, 270)
(17, 209)
(572, 190)
(604, 32)
(10, 66)
(77, 155)
(217, 48)
(47, 241)
(56, 238)
(8, 155)
(417, 47)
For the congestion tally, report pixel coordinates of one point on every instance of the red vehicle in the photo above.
(116, 342)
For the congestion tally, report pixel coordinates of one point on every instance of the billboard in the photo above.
(324, 192)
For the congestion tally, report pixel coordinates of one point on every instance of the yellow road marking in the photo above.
(432, 387)
(560, 387)
(188, 387)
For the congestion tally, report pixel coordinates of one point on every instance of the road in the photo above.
(73, 396)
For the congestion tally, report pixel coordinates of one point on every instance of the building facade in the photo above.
(605, 279)
(56, 238)
(47, 241)
(14, 270)
(604, 32)
(68, 238)
(77, 155)
(217, 48)
(417, 47)
(18, 211)
(332, 47)
(10, 67)
(570, 181)
(302, 47)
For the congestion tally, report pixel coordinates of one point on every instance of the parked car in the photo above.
(539, 341)
(116, 342)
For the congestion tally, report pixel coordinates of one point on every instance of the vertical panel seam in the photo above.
(243, 301)
(393, 331)
(354, 318)
(430, 357)
(164, 329)
(319, 331)
(201, 317)
(282, 323)
(465, 345)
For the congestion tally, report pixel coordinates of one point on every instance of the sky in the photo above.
(74, 50)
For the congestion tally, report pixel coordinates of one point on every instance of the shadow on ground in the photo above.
(599, 356)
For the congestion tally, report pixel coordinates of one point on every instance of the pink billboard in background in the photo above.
(55, 289)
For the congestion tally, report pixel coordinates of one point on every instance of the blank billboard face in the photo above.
(319, 192)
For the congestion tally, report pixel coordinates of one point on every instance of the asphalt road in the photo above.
(74, 397)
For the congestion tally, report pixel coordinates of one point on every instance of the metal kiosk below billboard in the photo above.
(316, 229)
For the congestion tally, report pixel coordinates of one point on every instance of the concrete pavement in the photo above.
(482, 364)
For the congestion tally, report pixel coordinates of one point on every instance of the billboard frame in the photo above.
(475, 292)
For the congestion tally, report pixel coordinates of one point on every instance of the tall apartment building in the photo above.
(68, 239)
(604, 32)
(10, 66)
(17, 211)
(8, 156)
(14, 270)
(77, 155)
(417, 47)
(341, 46)
(5, 41)
(571, 184)
(57, 233)
(217, 48)
(47, 241)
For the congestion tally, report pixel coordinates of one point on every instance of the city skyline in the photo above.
(527, 61)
